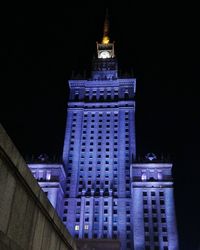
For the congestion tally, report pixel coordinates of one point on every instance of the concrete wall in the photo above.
(27, 219)
(98, 244)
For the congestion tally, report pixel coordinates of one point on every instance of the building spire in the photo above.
(106, 39)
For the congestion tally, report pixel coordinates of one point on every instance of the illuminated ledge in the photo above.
(100, 83)
(150, 184)
(151, 165)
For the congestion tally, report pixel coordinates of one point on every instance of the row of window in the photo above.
(105, 227)
(152, 193)
(155, 229)
(153, 202)
(154, 210)
(101, 106)
(156, 248)
(99, 132)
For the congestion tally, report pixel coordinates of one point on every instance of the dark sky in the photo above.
(42, 44)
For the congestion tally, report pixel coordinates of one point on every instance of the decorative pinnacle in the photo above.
(106, 39)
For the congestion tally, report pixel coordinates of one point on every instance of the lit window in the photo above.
(144, 177)
(86, 227)
(76, 227)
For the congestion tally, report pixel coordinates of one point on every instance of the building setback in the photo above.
(107, 194)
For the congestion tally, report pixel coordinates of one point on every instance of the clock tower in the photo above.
(105, 65)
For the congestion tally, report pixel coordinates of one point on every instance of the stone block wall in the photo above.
(28, 221)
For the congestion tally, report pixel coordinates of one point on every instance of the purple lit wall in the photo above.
(51, 178)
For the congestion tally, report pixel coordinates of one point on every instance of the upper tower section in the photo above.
(105, 64)
(105, 49)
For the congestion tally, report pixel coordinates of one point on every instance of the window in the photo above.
(165, 238)
(145, 202)
(76, 227)
(162, 211)
(155, 238)
(162, 202)
(41, 173)
(163, 220)
(155, 229)
(114, 219)
(155, 220)
(87, 219)
(154, 210)
(48, 175)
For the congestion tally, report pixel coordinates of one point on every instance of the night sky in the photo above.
(41, 45)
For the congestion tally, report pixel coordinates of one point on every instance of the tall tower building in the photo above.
(98, 150)
(107, 194)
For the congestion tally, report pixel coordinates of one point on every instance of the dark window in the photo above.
(165, 238)
(162, 210)
(155, 229)
(156, 238)
(162, 202)
(163, 220)
(154, 210)
(155, 219)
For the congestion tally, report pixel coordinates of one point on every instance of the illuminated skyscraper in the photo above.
(107, 194)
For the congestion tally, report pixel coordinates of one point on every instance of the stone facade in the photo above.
(27, 218)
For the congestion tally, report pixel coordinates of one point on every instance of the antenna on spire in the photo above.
(106, 39)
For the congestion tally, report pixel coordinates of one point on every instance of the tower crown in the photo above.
(106, 39)
(105, 49)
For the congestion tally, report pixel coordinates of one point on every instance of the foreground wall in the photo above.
(27, 219)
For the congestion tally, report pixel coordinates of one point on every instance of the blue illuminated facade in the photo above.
(107, 195)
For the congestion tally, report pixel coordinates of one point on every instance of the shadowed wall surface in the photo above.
(27, 219)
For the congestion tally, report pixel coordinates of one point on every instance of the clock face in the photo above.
(104, 54)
